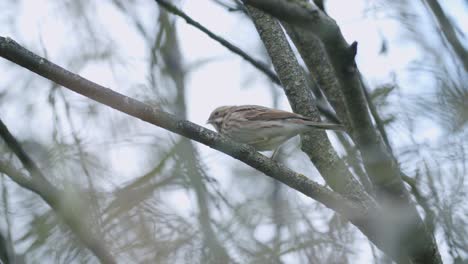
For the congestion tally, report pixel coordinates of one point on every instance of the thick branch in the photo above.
(12, 51)
(411, 239)
(301, 13)
(295, 11)
(315, 57)
(321, 5)
(370, 221)
(316, 143)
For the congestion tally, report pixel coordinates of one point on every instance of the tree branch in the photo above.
(352, 159)
(27, 162)
(375, 115)
(448, 30)
(371, 221)
(315, 143)
(321, 5)
(412, 238)
(51, 195)
(12, 51)
(257, 64)
(314, 55)
(294, 11)
(422, 201)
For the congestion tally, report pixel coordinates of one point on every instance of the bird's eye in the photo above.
(216, 113)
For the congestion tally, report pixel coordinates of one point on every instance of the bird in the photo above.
(261, 127)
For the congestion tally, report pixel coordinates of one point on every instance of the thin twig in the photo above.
(257, 64)
(422, 201)
(375, 115)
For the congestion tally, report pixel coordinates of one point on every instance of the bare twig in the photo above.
(353, 160)
(257, 64)
(422, 201)
(375, 115)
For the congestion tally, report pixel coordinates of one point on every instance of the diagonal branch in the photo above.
(447, 29)
(18, 177)
(12, 51)
(375, 115)
(314, 55)
(371, 221)
(257, 64)
(16, 148)
(411, 239)
(315, 144)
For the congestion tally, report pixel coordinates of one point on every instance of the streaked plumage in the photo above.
(262, 127)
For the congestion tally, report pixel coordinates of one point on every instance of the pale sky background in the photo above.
(227, 80)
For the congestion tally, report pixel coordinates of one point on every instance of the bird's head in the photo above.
(216, 118)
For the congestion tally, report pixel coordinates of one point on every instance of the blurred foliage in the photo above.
(154, 198)
(380, 97)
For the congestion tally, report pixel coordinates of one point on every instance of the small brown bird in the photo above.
(261, 127)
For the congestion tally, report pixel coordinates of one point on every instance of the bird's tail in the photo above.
(327, 126)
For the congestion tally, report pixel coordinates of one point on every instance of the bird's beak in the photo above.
(208, 122)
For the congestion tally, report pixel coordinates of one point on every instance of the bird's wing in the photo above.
(272, 114)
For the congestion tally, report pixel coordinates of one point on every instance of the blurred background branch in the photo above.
(155, 196)
(52, 196)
